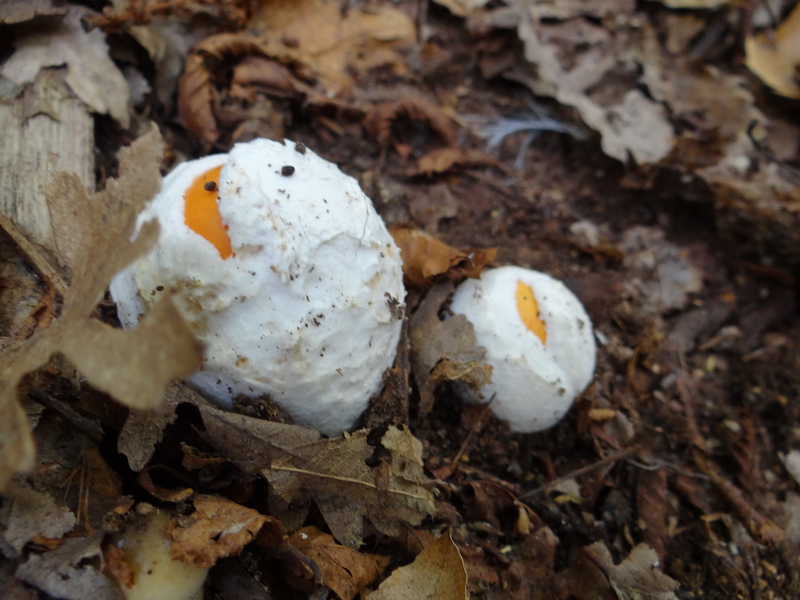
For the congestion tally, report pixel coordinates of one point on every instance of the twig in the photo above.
(614, 456)
(39, 264)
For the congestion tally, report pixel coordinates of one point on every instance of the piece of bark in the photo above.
(46, 118)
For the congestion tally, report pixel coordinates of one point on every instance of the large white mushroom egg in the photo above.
(284, 270)
(539, 342)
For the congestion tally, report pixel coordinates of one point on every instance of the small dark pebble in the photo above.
(287, 170)
(210, 186)
(299, 147)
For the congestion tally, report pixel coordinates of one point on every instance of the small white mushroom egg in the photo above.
(283, 269)
(539, 342)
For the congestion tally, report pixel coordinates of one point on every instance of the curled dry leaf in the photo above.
(91, 235)
(425, 258)
(195, 89)
(438, 573)
(774, 57)
(217, 528)
(444, 350)
(344, 570)
(380, 119)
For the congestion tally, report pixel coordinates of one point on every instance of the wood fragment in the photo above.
(46, 118)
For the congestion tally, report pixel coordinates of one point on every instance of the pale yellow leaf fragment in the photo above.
(774, 57)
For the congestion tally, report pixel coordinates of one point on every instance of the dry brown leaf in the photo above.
(344, 570)
(254, 444)
(144, 429)
(91, 73)
(302, 465)
(347, 491)
(425, 257)
(91, 235)
(774, 57)
(330, 42)
(438, 573)
(195, 89)
(630, 124)
(442, 160)
(34, 513)
(381, 117)
(444, 350)
(638, 576)
(217, 528)
(74, 571)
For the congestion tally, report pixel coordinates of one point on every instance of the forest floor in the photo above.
(660, 186)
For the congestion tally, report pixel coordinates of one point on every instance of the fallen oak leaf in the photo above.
(425, 258)
(302, 465)
(438, 573)
(347, 491)
(91, 234)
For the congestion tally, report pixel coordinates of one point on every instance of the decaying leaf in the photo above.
(301, 465)
(195, 89)
(595, 575)
(217, 528)
(91, 73)
(74, 571)
(774, 57)
(629, 123)
(344, 570)
(436, 574)
(91, 235)
(33, 514)
(330, 42)
(347, 491)
(425, 258)
(381, 117)
(444, 350)
(442, 160)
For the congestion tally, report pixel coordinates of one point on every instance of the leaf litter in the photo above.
(662, 450)
(89, 233)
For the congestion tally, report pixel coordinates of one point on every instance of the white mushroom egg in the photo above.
(539, 342)
(283, 269)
